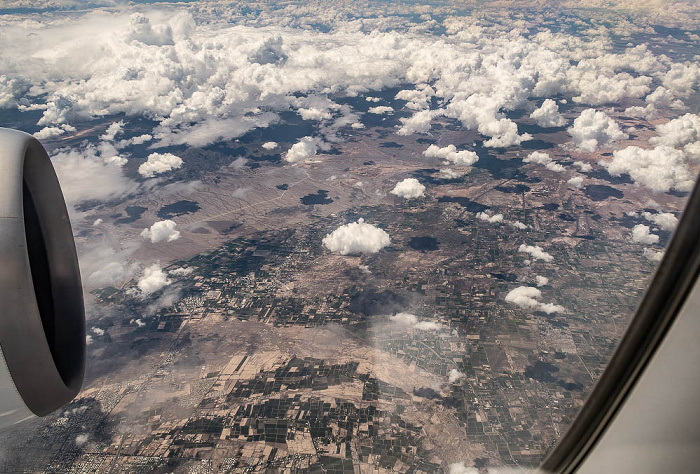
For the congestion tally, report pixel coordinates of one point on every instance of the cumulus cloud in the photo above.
(153, 279)
(161, 231)
(503, 133)
(518, 225)
(158, 163)
(269, 145)
(583, 167)
(542, 158)
(653, 255)
(527, 297)
(536, 252)
(642, 235)
(411, 321)
(303, 149)
(50, 132)
(112, 131)
(678, 132)
(450, 153)
(496, 218)
(356, 237)
(665, 220)
(547, 115)
(449, 173)
(409, 188)
(81, 439)
(417, 123)
(660, 169)
(380, 110)
(455, 376)
(576, 181)
(540, 280)
(593, 129)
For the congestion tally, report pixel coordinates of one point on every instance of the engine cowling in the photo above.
(42, 316)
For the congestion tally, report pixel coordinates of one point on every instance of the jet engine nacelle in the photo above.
(42, 317)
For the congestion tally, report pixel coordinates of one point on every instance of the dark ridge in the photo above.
(282, 187)
(390, 145)
(552, 206)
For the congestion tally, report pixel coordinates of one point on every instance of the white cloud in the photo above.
(380, 110)
(454, 376)
(593, 129)
(536, 252)
(678, 132)
(450, 153)
(503, 133)
(527, 297)
(417, 99)
(462, 468)
(98, 331)
(153, 279)
(97, 222)
(518, 225)
(583, 167)
(540, 280)
(81, 439)
(87, 175)
(269, 145)
(411, 321)
(426, 326)
(417, 123)
(490, 219)
(158, 163)
(161, 231)
(653, 255)
(49, 132)
(641, 235)
(182, 271)
(409, 188)
(575, 181)
(154, 64)
(547, 115)
(356, 237)
(660, 169)
(665, 220)
(542, 158)
(303, 149)
(112, 131)
(405, 319)
(448, 173)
